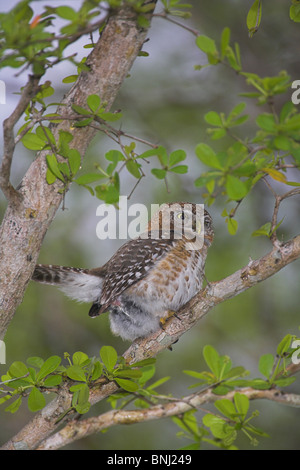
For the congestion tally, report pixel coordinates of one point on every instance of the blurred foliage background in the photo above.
(164, 101)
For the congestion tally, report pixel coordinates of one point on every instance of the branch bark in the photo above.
(25, 224)
(76, 430)
(45, 422)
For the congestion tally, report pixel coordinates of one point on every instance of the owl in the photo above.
(148, 277)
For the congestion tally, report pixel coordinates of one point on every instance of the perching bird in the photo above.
(148, 277)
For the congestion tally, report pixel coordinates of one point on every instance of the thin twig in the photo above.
(29, 91)
(195, 32)
(278, 201)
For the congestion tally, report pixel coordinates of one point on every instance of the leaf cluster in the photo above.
(37, 377)
(274, 147)
(79, 373)
(233, 416)
(28, 41)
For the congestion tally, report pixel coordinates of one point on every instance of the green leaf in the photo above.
(45, 134)
(213, 118)
(232, 225)
(74, 159)
(212, 359)
(36, 400)
(259, 384)
(225, 39)
(18, 369)
(114, 156)
(83, 398)
(110, 194)
(109, 357)
(70, 79)
(93, 102)
(14, 406)
(206, 154)
(242, 404)
(33, 142)
(97, 371)
(254, 17)
(49, 366)
(207, 178)
(127, 385)
(236, 189)
(80, 110)
(35, 361)
(285, 381)
(210, 420)
(110, 117)
(159, 173)
(266, 121)
(282, 142)
(52, 381)
(89, 178)
(79, 358)
(129, 373)
(83, 122)
(53, 166)
(226, 407)
(83, 407)
(180, 169)
(284, 345)
(263, 230)
(176, 157)
(238, 109)
(206, 44)
(75, 372)
(50, 177)
(265, 365)
(145, 362)
(66, 12)
(133, 168)
(295, 12)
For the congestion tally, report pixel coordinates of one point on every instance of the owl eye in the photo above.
(181, 215)
(207, 221)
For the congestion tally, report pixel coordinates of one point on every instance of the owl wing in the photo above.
(131, 263)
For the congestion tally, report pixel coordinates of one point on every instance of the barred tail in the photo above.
(77, 283)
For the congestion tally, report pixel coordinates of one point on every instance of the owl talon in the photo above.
(170, 348)
(164, 320)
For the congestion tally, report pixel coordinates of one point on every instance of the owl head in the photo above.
(182, 220)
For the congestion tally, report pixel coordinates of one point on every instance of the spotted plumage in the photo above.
(147, 277)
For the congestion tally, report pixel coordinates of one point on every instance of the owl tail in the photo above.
(76, 283)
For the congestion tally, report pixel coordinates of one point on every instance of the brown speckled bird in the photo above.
(148, 277)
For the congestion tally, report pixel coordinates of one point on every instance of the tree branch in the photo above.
(25, 225)
(45, 422)
(213, 294)
(76, 430)
(29, 91)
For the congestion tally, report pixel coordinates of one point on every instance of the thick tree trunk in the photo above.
(26, 223)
